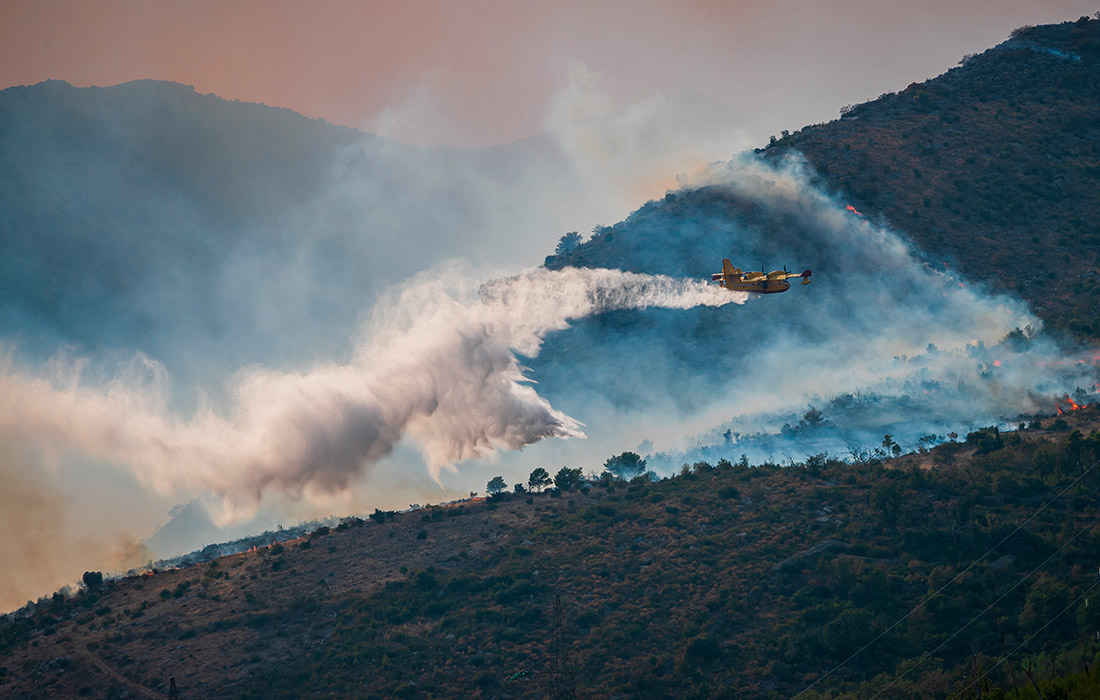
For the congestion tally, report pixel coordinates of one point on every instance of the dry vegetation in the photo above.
(727, 580)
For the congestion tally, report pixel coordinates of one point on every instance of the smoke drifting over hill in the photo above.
(884, 340)
(211, 234)
(436, 364)
(880, 320)
(183, 237)
(39, 549)
(637, 356)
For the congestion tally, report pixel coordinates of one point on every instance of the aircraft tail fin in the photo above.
(805, 277)
(728, 269)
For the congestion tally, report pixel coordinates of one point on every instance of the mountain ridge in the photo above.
(981, 221)
(968, 162)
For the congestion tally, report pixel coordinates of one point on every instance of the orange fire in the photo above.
(1071, 405)
(996, 363)
(852, 209)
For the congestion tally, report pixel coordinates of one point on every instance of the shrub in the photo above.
(425, 581)
(729, 492)
(700, 651)
(93, 579)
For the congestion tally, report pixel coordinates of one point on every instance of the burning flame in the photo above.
(852, 209)
(1071, 405)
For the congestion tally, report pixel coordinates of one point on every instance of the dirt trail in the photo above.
(102, 666)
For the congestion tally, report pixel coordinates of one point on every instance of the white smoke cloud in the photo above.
(437, 364)
(285, 290)
(879, 319)
(639, 150)
(435, 368)
(397, 209)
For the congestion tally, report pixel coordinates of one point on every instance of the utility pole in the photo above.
(562, 680)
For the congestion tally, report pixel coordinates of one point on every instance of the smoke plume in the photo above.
(436, 364)
(38, 546)
(199, 236)
(883, 325)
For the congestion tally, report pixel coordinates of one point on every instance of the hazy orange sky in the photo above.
(484, 71)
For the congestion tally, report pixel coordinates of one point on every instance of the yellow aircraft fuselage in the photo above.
(733, 279)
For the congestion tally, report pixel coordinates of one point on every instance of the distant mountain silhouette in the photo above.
(213, 234)
(123, 209)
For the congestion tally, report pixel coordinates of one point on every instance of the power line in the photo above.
(988, 607)
(562, 680)
(920, 605)
(1023, 643)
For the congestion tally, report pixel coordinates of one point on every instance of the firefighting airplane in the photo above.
(733, 279)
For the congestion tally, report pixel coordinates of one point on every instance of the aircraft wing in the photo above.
(784, 275)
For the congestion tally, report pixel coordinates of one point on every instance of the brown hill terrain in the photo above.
(994, 165)
(214, 624)
(724, 581)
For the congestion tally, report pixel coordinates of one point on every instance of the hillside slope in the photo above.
(994, 166)
(724, 581)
